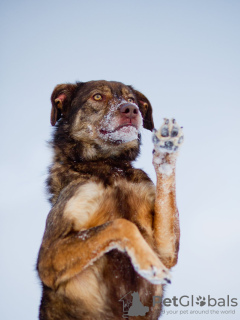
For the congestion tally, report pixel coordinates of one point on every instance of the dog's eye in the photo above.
(131, 100)
(97, 97)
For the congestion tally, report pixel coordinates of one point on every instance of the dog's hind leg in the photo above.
(62, 258)
(166, 219)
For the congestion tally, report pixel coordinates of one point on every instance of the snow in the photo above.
(160, 164)
(124, 134)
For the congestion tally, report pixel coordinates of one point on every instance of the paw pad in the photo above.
(169, 137)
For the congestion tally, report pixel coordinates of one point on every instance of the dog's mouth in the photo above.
(126, 125)
(124, 133)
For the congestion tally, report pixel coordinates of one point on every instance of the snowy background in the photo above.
(185, 57)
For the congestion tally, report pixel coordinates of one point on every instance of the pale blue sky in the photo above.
(184, 56)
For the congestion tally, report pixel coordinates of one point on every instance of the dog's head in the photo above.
(99, 119)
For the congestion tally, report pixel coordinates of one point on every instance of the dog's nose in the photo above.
(129, 110)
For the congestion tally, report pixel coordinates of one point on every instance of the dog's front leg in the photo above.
(166, 219)
(65, 257)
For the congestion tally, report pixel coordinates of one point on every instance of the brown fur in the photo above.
(107, 218)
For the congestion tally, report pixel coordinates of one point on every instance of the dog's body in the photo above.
(110, 231)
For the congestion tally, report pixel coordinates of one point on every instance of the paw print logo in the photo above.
(201, 301)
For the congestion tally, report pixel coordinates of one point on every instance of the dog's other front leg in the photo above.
(65, 257)
(166, 219)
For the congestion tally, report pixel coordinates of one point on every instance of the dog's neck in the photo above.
(74, 160)
(79, 162)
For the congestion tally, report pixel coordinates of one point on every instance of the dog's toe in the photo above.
(156, 275)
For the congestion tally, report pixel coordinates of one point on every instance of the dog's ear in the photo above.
(146, 110)
(60, 98)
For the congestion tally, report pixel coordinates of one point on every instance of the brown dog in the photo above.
(110, 231)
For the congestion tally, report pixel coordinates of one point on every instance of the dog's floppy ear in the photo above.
(146, 110)
(60, 98)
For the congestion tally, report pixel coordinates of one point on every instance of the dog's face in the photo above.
(103, 115)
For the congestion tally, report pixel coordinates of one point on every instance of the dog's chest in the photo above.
(94, 204)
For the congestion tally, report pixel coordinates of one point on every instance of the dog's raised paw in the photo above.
(169, 137)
